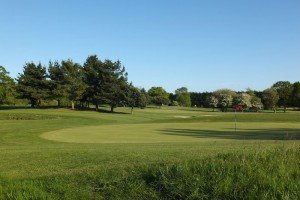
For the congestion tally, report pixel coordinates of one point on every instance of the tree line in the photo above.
(99, 82)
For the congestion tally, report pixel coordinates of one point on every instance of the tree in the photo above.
(256, 103)
(242, 99)
(284, 90)
(225, 98)
(94, 78)
(33, 84)
(158, 96)
(57, 82)
(114, 84)
(295, 96)
(73, 80)
(183, 97)
(134, 97)
(270, 98)
(7, 87)
(213, 102)
(144, 99)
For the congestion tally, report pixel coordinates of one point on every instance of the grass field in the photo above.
(168, 153)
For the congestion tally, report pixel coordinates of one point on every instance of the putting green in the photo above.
(175, 132)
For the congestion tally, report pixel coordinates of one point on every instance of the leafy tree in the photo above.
(158, 96)
(73, 80)
(183, 97)
(256, 103)
(242, 99)
(33, 84)
(213, 102)
(284, 89)
(7, 87)
(225, 98)
(134, 97)
(144, 101)
(270, 98)
(295, 96)
(57, 82)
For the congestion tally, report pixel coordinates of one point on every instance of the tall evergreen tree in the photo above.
(115, 83)
(33, 84)
(57, 82)
(94, 78)
(7, 87)
(74, 81)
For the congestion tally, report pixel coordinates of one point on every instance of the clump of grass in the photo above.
(261, 175)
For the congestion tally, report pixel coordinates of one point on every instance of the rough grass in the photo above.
(210, 161)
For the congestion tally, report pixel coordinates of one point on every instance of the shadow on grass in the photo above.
(240, 134)
(101, 110)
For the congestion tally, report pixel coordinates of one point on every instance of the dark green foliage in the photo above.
(58, 80)
(295, 96)
(7, 88)
(284, 90)
(94, 79)
(200, 99)
(33, 84)
(73, 81)
(158, 96)
(114, 84)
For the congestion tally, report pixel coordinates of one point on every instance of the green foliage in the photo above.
(295, 96)
(284, 90)
(183, 97)
(73, 81)
(158, 96)
(7, 88)
(114, 84)
(270, 98)
(33, 84)
(58, 81)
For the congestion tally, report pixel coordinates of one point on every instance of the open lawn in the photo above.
(168, 153)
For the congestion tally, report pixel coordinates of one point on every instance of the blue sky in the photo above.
(203, 45)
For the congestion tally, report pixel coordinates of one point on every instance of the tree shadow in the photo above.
(241, 134)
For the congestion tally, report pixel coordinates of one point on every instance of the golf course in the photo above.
(156, 153)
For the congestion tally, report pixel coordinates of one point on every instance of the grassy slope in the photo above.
(46, 168)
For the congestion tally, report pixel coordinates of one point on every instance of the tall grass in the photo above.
(261, 174)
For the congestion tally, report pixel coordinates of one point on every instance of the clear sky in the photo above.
(202, 44)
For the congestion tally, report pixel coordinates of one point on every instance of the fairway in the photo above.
(175, 132)
(65, 154)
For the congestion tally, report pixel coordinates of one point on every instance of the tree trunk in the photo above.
(284, 108)
(131, 110)
(112, 109)
(73, 105)
(97, 107)
(58, 103)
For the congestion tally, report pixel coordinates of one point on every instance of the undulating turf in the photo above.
(166, 153)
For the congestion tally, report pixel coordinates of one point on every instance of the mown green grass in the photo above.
(64, 154)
